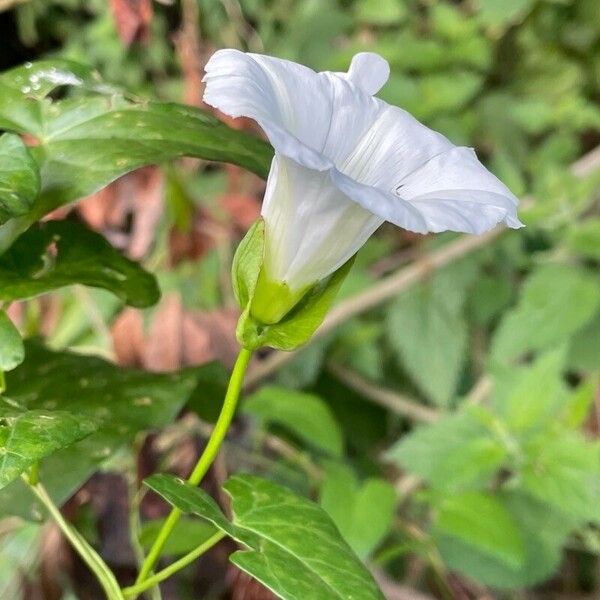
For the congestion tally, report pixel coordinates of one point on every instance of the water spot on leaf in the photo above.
(103, 452)
(143, 401)
(114, 274)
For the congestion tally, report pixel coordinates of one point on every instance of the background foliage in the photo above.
(450, 431)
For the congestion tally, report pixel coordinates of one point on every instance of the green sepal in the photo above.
(305, 313)
(247, 263)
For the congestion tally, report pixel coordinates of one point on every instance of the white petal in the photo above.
(369, 71)
(314, 118)
(385, 205)
(409, 163)
(454, 191)
(343, 155)
(312, 228)
(393, 147)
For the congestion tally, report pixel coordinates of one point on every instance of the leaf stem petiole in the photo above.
(184, 561)
(93, 560)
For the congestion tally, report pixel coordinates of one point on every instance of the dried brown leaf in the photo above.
(132, 19)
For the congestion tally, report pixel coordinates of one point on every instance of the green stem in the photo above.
(2, 383)
(206, 459)
(34, 474)
(91, 558)
(184, 561)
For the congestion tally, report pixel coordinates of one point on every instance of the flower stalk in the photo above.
(205, 461)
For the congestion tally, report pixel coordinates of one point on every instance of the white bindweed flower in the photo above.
(346, 161)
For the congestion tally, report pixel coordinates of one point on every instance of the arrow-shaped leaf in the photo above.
(293, 547)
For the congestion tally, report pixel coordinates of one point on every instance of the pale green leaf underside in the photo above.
(293, 546)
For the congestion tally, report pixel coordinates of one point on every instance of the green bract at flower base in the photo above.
(272, 315)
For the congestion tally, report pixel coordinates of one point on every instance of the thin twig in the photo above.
(293, 455)
(397, 403)
(397, 591)
(184, 561)
(480, 391)
(406, 485)
(404, 278)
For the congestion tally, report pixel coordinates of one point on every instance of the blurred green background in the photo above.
(488, 484)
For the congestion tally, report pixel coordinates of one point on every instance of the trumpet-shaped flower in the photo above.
(346, 161)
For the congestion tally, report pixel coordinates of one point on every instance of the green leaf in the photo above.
(304, 415)
(122, 401)
(447, 91)
(363, 513)
(87, 143)
(579, 402)
(37, 80)
(381, 12)
(528, 397)
(26, 436)
(19, 178)
(293, 548)
(555, 302)
(563, 470)
(584, 239)
(12, 351)
(483, 522)
(427, 330)
(187, 535)
(499, 13)
(206, 399)
(491, 295)
(54, 254)
(84, 143)
(455, 452)
(584, 349)
(543, 532)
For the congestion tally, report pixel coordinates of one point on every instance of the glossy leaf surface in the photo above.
(19, 178)
(293, 546)
(55, 254)
(27, 436)
(121, 401)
